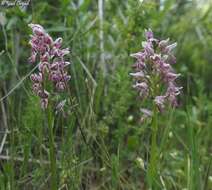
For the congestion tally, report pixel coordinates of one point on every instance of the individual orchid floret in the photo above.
(153, 74)
(146, 114)
(51, 64)
(149, 34)
(160, 102)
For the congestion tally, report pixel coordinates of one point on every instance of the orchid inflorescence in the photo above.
(51, 64)
(154, 75)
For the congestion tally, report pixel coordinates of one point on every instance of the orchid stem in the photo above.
(52, 150)
(153, 164)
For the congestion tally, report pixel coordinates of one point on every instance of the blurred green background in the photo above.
(106, 105)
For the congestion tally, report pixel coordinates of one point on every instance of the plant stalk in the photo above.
(153, 163)
(52, 150)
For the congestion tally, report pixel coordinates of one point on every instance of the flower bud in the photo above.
(58, 42)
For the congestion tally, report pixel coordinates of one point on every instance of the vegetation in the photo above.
(98, 140)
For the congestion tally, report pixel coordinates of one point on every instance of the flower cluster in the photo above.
(51, 66)
(154, 75)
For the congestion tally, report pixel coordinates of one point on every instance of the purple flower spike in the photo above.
(153, 73)
(51, 62)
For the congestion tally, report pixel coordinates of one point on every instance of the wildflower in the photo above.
(146, 114)
(60, 106)
(51, 63)
(153, 73)
(160, 101)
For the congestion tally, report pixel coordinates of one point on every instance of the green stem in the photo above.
(153, 164)
(52, 150)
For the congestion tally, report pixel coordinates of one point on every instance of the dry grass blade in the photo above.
(87, 71)
(20, 159)
(18, 84)
(3, 142)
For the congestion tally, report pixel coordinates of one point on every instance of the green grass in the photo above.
(101, 144)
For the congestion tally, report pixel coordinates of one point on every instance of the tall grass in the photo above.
(98, 144)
